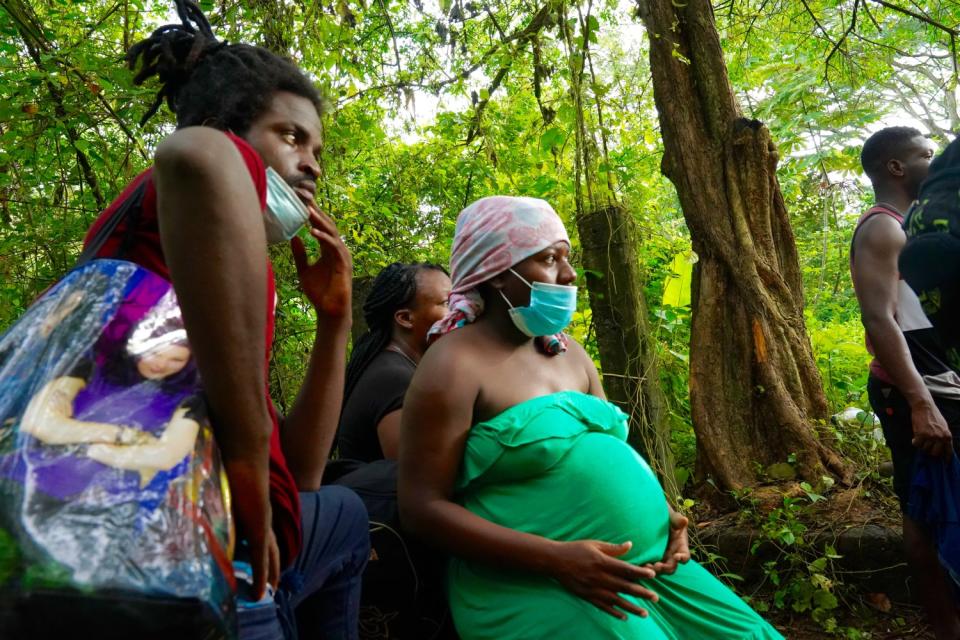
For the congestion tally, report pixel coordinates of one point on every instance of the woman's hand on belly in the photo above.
(591, 570)
(678, 546)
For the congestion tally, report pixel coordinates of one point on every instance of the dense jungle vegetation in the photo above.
(432, 104)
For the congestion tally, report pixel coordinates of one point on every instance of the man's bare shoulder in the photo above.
(880, 235)
(192, 146)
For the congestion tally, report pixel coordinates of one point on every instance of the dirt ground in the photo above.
(902, 623)
(873, 614)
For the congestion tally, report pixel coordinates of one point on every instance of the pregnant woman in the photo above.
(513, 462)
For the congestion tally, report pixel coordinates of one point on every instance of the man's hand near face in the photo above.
(327, 282)
(311, 425)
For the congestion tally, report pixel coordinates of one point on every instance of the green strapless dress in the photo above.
(559, 466)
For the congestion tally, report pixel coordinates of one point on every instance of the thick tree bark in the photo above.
(755, 392)
(619, 311)
(361, 288)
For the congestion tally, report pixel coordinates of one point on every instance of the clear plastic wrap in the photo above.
(113, 501)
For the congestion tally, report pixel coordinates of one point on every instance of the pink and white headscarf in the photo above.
(492, 235)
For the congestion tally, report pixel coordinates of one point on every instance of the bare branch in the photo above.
(393, 34)
(482, 105)
(496, 23)
(29, 28)
(536, 23)
(816, 21)
(920, 17)
(843, 38)
(866, 10)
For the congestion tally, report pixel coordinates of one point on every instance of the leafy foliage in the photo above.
(435, 104)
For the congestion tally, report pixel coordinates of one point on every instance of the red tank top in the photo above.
(146, 250)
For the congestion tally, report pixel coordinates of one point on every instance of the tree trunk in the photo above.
(361, 288)
(619, 311)
(755, 392)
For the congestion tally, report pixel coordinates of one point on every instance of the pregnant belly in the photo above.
(600, 490)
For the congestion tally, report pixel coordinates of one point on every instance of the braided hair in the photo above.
(209, 82)
(393, 289)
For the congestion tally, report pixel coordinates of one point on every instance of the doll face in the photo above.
(163, 362)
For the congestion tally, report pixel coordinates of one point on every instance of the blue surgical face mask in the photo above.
(550, 310)
(285, 212)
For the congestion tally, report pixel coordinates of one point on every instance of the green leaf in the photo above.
(551, 138)
(824, 600)
(781, 471)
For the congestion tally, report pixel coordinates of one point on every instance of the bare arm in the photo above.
(436, 420)
(310, 427)
(876, 281)
(213, 238)
(388, 432)
(154, 454)
(49, 417)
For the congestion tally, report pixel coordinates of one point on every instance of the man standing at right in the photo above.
(896, 160)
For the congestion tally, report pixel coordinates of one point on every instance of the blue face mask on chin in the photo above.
(550, 310)
(285, 212)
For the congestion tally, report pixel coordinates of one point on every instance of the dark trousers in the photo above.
(893, 410)
(319, 596)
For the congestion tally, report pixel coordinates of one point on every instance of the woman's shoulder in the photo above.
(576, 350)
(452, 361)
(390, 363)
(388, 369)
(573, 344)
(463, 341)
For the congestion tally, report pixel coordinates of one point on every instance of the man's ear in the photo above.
(895, 167)
(404, 318)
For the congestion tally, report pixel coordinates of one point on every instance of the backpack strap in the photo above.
(130, 209)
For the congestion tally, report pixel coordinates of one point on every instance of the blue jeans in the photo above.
(319, 596)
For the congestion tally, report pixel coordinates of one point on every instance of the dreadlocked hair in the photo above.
(208, 82)
(393, 289)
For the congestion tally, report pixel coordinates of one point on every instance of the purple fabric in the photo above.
(144, 293)
(115, 393)
(143, 406)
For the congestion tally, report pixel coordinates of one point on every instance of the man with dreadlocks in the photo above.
(240, 171)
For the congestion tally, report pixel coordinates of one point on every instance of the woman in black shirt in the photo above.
(404, 302)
